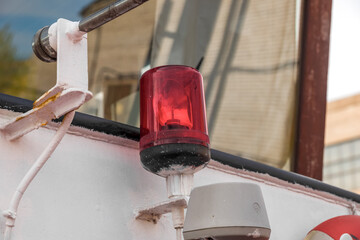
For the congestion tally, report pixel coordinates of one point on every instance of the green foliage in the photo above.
(13, 72)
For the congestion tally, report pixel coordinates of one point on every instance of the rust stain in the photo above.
(19, 118)
(44, 123)
(51, 99)
(316, 23)
(325, 26)
(37, 101)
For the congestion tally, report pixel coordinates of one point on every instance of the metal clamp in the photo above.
(71, 89)
(42, 46)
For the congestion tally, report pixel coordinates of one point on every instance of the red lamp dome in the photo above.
(172, 120)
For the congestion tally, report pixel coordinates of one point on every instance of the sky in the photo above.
(344, 62)
(25, 17)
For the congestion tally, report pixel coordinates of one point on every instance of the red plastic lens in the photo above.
(172, 107)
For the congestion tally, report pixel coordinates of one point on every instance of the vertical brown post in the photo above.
(309, 145)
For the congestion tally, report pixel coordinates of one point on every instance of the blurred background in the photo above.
(248, 53)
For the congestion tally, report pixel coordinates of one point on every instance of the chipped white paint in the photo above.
(255, 234)
(90, 188)
(51, 107)
(153, 212)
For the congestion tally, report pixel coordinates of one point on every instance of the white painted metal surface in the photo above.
(91, 186)
(11, 213)
(69, 93)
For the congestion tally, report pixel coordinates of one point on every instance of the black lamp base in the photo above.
(175, 158)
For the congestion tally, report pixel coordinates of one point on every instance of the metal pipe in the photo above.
(311, 112)
(107, 14)
(41, 45)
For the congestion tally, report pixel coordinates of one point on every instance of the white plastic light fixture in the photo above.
(227, 211)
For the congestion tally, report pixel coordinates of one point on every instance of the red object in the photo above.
(172, 107)
(335, 227)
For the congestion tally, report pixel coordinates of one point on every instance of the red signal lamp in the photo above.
(173, 130)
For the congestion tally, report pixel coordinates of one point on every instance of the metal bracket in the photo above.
(71, 89)
(154, 212)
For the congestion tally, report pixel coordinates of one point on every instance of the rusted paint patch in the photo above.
(19, 118)
(50, 93)
(51, 99)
